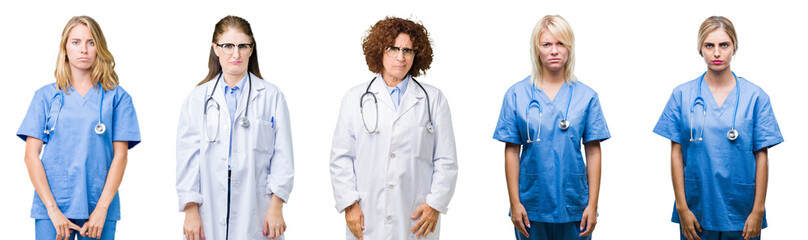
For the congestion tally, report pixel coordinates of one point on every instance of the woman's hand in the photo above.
(61, 223)
(589, 220)
(274, 226)
(519, 218)
(427, 222)
(753, 225)
(689, 224)
(355, 220)
(93, 226)
(192, 228)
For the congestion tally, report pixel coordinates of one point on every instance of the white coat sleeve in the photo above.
(188, 158)
(343, 154)
(444, 159)
(281, 167)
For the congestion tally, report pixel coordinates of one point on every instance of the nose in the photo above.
(400, 55)
(84, 48)
(716, 53)
(236, 52)
(554, 50)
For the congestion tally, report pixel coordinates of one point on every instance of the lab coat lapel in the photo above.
(411, 97)
(257, 87)
(218, 96)
(381, 93)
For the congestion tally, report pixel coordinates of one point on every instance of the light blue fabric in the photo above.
(231, 96)
(397, 91)
(719, 173)
(46, 231)
(75, 158)
(552, 177)
(553, 231)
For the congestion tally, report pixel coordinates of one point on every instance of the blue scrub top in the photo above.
(75, 158)
(719, 173)
(553, 184)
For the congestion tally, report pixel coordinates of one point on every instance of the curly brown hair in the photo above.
(383, 34)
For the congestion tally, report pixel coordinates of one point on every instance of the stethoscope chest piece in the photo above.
(100, 128)
(244, 122)
(732, 135)
(564, 124)
(429, 127)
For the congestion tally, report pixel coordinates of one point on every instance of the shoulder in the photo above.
(268, 87)
(749, 87)
(581, 88)
(47, 90)
(687, 86)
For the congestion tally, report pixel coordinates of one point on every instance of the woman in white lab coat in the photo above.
(234, 145)
(393, 158)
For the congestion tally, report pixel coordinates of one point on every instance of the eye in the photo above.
(545, 45)
(409, 50)
(709, 45)
(244, 46)
(228, 45)
(91, 43)
(75, 42)
(560, 44)
(723, 45)
(393, 49)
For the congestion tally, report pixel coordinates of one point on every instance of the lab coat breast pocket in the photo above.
(424, 144)
(264, 134)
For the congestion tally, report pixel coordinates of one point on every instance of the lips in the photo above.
(717, 62)
(235, 62)
(555, 60)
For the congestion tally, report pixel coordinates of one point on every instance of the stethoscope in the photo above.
(429, 126)
(564, 124)
(732, 134)
(243, 121)
(100, 128)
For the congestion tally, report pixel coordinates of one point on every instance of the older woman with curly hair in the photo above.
(393, 158)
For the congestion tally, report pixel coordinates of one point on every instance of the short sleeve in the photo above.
(668, 124)
(124, 121)
(33, 125)
(766, 130)
(596, 129)
(506, 129)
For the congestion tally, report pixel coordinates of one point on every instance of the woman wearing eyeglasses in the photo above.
(234, 145)
(544, 120)
(87, 124)
(721, 127)
(393, 157)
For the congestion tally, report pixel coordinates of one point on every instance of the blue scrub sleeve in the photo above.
(507, 130)
(33, 125)
(124, 120)
(668, 124)
(596, 129)
(766, 130)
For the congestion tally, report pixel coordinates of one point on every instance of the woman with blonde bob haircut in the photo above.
(87, 124)
(544, 120)
(720, 126)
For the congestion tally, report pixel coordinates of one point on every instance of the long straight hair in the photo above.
(103, 69)
(227, 23)
(561, 30)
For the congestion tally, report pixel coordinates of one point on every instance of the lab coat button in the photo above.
(393, 155)
(389, 218)
(224, 158)
(391, 186)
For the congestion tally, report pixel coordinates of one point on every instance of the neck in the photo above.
(233, 79)
(80, 78)
(552, 77)
(391, 81)
(719, 78)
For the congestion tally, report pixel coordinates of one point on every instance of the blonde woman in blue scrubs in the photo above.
(721, 127)
(87, 124)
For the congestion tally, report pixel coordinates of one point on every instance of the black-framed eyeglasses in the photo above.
(392, 52)
(243, 48)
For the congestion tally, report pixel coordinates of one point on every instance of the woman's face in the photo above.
(717, 50)
(552, 53)
(233, 58)
(398, 65)
(80, 48)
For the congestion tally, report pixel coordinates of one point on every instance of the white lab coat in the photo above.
(392, 172)
(262, 161)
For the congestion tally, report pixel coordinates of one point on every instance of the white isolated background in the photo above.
(633, 53)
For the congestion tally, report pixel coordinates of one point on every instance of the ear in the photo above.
(213, 45)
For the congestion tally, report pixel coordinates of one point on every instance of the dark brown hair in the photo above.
(234, 22)
(383, 34)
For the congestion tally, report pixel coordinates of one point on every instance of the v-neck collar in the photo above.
(730, 100)
(562, 92)
(87, 96)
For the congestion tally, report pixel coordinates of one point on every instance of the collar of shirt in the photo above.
(402, 86)
(237, 89)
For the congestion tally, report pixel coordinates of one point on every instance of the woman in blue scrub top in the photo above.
(720, 126)
(87, 123)
(543, 121)
(234, 145)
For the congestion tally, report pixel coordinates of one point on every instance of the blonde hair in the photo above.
(561, 30)
(714, 23)
(103, 69)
